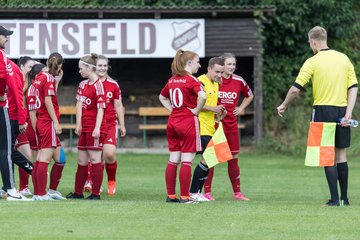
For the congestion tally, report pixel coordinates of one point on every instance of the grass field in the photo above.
(286, 200)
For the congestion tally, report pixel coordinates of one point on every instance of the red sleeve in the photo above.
(197, 86)
(2, 72)
(31, 99)
(49, 87)
(18, 84)
(100, 95)
(165, 91)
(245, 90)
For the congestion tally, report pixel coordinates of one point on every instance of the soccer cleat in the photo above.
(187, 201)
(45, 197)
(209, 196)
(17, 197)
(240, 196)
(111, 187)
(75, 196)
(172, 200)
(344, 202)
(198, 197)
(55, 195)
(93, 197)
(88, 186)
(2, 193)
(332, 203)
(26, 192)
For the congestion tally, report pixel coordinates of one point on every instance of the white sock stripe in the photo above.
(8, 134)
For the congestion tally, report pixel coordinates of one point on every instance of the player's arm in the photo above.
(99, 118)
(50, 108)
(200, 103)
(165, 102)
(33, 119)
(290, 96)
(78, 108)
(215, 109)
(120, 112)
(352, 94)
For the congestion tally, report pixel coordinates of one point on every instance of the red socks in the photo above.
(41, 177)
(97, 177)
(234, 174)
(89, 172)
(185, 179)
(33, 177)
(170, 178)
(80, 178)
(208, 181)
(111, 170)
(23, 179)
(55, 175)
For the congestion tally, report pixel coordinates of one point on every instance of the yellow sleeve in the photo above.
(351, 76)
(305, 74)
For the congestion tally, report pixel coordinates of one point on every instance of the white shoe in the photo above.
(43, 198)
(13, 195)
(2, 193)
(55, 195)
(26, 192)
(198, 197)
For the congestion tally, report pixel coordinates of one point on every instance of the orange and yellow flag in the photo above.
(217, 150)
(321, 144)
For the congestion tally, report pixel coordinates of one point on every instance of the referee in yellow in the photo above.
(335, 89)
(207, 116)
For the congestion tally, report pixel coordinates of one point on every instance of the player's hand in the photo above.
(58, 129)
(219, 109)
(22, 128)
(3, 98)
(59, 76)
(122, 131)
(96, 133)
(77, 130)
(281, 110)
(238, 111)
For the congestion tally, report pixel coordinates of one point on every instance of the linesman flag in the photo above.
(320, 150)
(217, 150)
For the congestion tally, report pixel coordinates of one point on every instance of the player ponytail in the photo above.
(54, 63)
(180, 60)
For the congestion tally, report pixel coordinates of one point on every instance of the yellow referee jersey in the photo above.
(331, 74)
(207, 118)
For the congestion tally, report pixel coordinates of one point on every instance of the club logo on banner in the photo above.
(186, 35)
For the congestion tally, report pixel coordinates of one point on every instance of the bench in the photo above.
(71, 112)
(146, 112)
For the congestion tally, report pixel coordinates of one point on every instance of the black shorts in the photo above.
(332, 114)
(204, 142)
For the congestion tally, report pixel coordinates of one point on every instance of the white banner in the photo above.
(141, 38)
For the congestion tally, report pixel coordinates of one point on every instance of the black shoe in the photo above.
(344, 202)
(172, 200)
(75, 196)
(93, 197)
(188, 201)
(332, 203)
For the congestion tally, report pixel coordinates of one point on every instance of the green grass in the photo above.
(286, 200)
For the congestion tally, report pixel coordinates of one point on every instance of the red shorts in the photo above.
(46, 135)
(32, 138)
(233, 139)
(21, 140)
(88, 142)
(111, 134)
(183, 134)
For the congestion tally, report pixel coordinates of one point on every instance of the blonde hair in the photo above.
(180, 60)
(90, 60)
(228, 55)
(318, 33)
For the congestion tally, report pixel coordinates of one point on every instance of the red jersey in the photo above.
(113, 92)
(183, 93)
(92, 97)
(229, 94)
(3, 75)
(15, 81)
(45, 86)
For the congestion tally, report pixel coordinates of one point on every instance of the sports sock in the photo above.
(80, 178)
(41, 177)
(23, 179)
(97, 177)
(199, 176)
(343, 175)
(89, 172)
(208, 181)
(234, 174)
(170, 178)
(33, 177)
(55, 175)
(332, 177)
(111, 170)
(185, 179)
